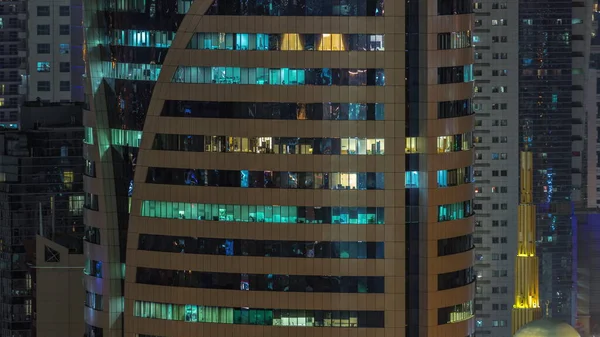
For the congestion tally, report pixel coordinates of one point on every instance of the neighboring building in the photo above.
(554, 56)
(300, 168)
(13, 60)
(55, 47)
(58, 297)
(41, 55)
(496, 105)
(40, 194)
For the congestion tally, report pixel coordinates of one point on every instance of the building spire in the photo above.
(527, 300)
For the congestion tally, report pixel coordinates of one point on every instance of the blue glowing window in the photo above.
(411, 179)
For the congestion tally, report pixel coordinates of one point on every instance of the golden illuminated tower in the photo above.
(527, 299)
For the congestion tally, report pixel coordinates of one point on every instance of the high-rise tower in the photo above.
(527, 295)
(279, 168)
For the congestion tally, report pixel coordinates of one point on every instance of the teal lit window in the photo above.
(411, 179)
(454, 177)
(262, 213)
(290, 41)
(277, 76)
(456, 211)
(140, 38)
(88, 136)
(43, 67)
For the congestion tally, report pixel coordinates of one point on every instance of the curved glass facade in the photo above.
(263, 147)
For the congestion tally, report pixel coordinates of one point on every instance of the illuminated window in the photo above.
(411, 145)
(291, 42)
(88, 135)
(331, 42)
(122, 137)
(265, 317)
(262, 213)
(64, 48)
(411, 179)
(76, 203)
(68, 179)
(43, 67)
(1, 101)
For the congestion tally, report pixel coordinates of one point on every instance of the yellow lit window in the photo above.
(291, 42)
(68, 178)
(1, 101)
(411, 145)
(331, 42)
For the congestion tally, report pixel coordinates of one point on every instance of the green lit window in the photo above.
(131, 138)
(262, 213)
(251, 316)
(88, 136)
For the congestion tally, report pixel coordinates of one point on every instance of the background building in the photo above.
(495, 101)
(13, 60)
(276, 159)
(40, 193)
(55, 45)
(554, 40)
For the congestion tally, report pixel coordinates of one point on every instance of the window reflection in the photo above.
(93, 301)
(454, 40)
(279, 76)
(453, 109)
(297, 8)
(455, 313)
(458, 74)
(455, 211)
(454, 7)
(270, 145)
(269, 317)
(455, 245)
(261, 213)
(287, 41)
(260, 282)
(455, 177)
(267, 179)
(455, 279)
(149, 7)
(93, 268)
(139, 38)
(92, 235)
(284, 111)
(455, 143)
(130, 71)
(262, 248)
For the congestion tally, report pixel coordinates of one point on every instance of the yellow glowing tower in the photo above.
(527, 299)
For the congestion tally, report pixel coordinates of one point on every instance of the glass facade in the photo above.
(267, 179)
(271, 145)
(267, 248)
(267, 76)
(262, 213)
(547, 108)
(273, 317)
(260, 282)
(279, 111)
(287, 42)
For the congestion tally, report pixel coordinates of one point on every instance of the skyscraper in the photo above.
(496, 137)
(282, 167)
(554, 42)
